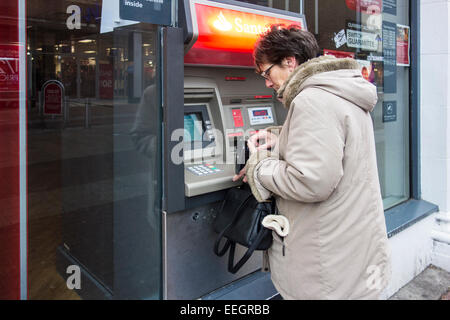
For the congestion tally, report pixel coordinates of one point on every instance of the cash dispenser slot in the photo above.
(198, 93)
(259, 100)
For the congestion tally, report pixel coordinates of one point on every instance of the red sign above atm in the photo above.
(225, 34)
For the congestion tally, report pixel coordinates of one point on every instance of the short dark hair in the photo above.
(281, 42)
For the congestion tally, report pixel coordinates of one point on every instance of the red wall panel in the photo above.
(9, 152)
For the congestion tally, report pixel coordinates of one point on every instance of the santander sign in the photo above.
(222, 24)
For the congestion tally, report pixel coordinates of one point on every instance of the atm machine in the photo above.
(224, 103)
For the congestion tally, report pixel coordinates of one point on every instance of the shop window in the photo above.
(376, 34)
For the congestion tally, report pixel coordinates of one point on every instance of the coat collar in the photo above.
(293, 85)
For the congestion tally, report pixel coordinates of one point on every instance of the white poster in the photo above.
(110, 17)
(340, 39)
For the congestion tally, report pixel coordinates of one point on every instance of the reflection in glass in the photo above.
(356, 30)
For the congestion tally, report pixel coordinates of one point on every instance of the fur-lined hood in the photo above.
(341, 77)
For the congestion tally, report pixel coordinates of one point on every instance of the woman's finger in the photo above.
(236, 177)
(257, 136)
(265, 146)
(240, 174)
(251, 147)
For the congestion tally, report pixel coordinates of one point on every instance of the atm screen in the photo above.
(193, 127)
(260, 115)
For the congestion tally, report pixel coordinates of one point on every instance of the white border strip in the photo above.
(164, 254)
(23, 149)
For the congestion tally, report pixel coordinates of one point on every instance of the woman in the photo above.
(322, 171)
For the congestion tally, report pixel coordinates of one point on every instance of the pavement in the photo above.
(432, 284)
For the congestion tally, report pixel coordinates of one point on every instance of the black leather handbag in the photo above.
(239, 222)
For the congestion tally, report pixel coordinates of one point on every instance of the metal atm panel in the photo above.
(192, 268)
(206, 168)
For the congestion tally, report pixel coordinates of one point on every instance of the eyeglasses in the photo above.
(266, 73)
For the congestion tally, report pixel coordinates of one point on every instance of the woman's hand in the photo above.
(254, 145)
(270, 140)
(241, 174)
(252, 149)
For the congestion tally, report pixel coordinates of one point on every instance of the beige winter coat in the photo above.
(323, 174)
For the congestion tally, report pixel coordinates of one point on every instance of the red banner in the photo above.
(338, 54)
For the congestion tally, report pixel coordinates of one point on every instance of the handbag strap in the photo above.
(225, 247)
(221, 252)
(259, 238)
(235, 268)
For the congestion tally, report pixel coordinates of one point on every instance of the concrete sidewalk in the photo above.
(432, 284)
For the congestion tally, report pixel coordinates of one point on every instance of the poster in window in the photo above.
(372, 71)
(389, 111)
(340, 39)
(377, 76)
(364, 37)
(403, 45)
(390, 57)
(371, 15)
(366, 70)
(390, 7)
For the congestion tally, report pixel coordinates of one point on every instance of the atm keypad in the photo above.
(204, 169)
